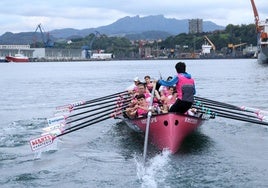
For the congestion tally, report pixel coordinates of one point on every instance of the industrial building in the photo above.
(195, 26)
(15, 49)
(39, 54)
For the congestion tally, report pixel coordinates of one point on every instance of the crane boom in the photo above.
(213, 46)
(256, 15)
(237, 45)
(46, 40)
(41, 31)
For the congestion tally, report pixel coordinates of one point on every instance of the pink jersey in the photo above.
(141, 112)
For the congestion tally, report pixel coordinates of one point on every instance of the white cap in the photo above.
(136, 79)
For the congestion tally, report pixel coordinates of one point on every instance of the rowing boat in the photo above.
(167, 130)
(164, 130)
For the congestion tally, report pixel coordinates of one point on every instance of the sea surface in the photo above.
(222, 153)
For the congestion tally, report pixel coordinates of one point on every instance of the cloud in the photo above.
(20, 16)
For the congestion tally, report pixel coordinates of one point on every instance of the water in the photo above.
(222, 153)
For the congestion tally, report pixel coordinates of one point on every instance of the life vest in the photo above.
(185, 88)
(171, 100)
(135, 89)
(147, 97)
(141, 112)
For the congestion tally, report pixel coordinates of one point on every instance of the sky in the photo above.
(24, 15)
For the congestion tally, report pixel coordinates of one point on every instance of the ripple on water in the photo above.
(19, 132)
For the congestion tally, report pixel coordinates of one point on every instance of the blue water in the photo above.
(222, 153)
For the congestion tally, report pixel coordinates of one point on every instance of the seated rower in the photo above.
(169, 99)
(140, 109)
(142, 90)
(148, 83)
(134, 87)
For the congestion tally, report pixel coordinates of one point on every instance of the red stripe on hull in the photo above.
(17, 60)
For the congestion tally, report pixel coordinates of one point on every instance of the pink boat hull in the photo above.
(167, 131)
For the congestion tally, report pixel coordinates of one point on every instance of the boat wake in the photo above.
(154, 173)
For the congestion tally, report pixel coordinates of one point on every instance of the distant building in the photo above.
(16, 46)
(11, 49)
(195, 26)
(40, 53)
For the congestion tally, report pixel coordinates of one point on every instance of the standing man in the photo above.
(185, 88)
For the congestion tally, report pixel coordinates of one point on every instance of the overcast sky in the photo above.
(24, 15)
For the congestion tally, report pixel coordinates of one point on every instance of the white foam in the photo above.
(155, 170)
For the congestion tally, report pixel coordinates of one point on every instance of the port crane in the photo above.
(211, 43)
(232, 47)
(45, 39)
(256, 15)
(261, 26)
(88, 48)
(206, 48)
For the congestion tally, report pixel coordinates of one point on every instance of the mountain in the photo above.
(137, 25)
(150, 27)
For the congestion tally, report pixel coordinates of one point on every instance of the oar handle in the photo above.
(148, 124)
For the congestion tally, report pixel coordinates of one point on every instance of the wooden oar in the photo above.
(103, 114)
(217, 103)
(214, 113)
(222, 109)
(67, 110)
(62, 118)
(80, 103)
(48, 139)
(109, 112)
(148, 124)
(112, 107)
(101, 103)
(242, 108)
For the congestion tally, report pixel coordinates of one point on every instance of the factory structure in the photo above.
(49, 53)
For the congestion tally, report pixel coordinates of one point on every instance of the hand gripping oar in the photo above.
(148, 124)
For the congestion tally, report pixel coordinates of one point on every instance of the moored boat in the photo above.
(263, 46)
(262, 36)
(167, 131)
(17, 58)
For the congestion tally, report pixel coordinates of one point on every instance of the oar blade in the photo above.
(78, 118)
(41, 142)
(56, 120)
(53, 127)
(62, 112)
